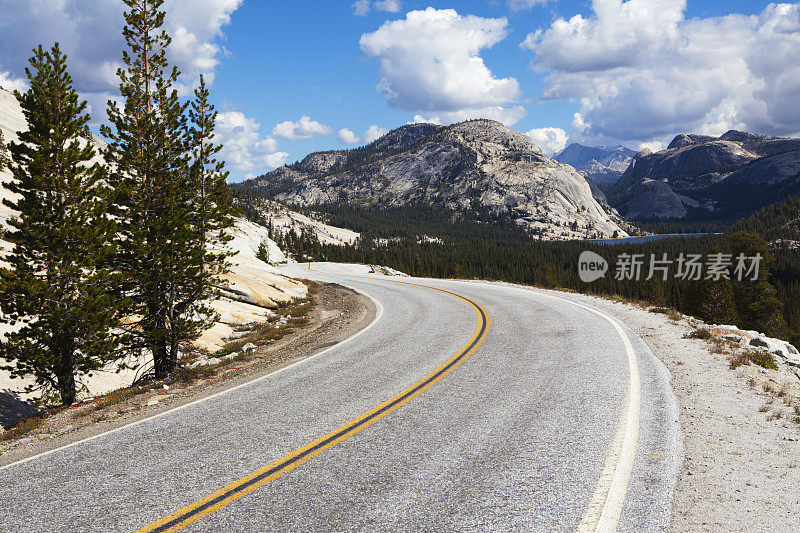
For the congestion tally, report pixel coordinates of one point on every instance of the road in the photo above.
(465, 406)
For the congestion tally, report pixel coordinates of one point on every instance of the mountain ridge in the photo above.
(477, 164)
(603, 164)
(701, 177)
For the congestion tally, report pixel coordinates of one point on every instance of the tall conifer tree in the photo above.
(57, 291)
(161, 254)
(756, 300)
(213, 202)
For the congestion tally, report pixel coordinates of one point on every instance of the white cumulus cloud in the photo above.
(244, 149)
(430, 63)
(643, 72)
(305, 128)
(348, 137)
(374, 133)
(550, 140)
(273, 161)
(12, 83)
(653, 146)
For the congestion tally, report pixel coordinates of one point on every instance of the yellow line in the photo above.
(346, 431)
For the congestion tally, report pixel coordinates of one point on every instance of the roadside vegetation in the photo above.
(289, 317)
(112, 259)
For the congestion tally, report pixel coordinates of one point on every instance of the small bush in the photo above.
(738, 360)
(756, 357)
(671, 313)
(699, 333)
(762, 359)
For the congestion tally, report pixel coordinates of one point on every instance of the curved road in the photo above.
(466, 406)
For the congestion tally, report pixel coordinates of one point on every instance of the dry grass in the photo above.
(22, 428)
(777, 414)
(118, 396)
(756, 357)
(764, 408)
(674, 315)
(719, 346)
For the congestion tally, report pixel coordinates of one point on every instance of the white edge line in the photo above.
(378, 315)
(611, 491)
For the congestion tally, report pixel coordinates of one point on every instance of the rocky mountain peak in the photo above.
(703, 177)
(487, 133)
(477, 164)
(603, 164)
(743, 137)
(404, 136)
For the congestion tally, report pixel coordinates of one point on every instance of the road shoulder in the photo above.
(742, 463)
(340, 314)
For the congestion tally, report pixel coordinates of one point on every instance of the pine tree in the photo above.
(160, 253)
(5, 159)
(712, 301)
(213, 204)
(58, 292)
(654, 291)
(756, 300)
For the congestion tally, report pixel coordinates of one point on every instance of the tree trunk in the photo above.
(160, 360)
(66, 378)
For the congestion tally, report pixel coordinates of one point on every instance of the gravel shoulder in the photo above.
(741, 435)
(339, 313)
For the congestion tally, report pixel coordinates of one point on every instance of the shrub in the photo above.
(756, 357)
(762, 359)
(699, 333)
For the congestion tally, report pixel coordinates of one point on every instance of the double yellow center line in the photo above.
(244, 486)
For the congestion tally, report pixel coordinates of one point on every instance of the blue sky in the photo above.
(635, 72)
(290, 59)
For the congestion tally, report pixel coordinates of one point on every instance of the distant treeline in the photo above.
(431, 241)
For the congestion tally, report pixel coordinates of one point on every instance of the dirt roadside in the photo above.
(339, 313)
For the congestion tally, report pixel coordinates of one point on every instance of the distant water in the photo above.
(649, 238)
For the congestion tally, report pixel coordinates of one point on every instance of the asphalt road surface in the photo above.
(465, 406)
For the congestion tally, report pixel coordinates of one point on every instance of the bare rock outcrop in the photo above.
(478, 164)
(726, 177)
